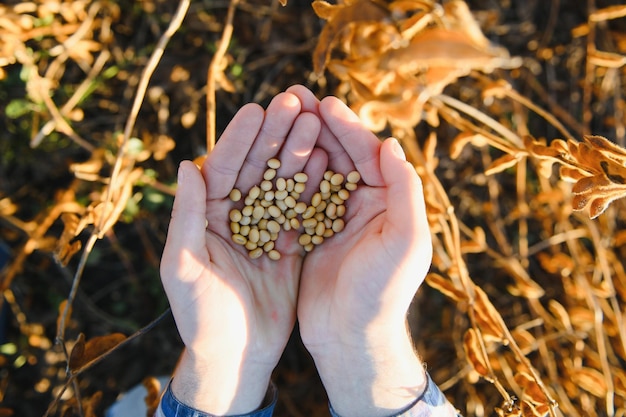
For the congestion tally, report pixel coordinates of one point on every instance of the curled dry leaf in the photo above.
(446, 287)
(591, 380)
(502, 163)
(487, 317)
(153, 394)
(66, 246)
(84, 353)
(474, 353)
(531, 390)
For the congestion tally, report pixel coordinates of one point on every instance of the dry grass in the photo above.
(513, 115)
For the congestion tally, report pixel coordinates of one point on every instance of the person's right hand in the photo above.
(357, 286)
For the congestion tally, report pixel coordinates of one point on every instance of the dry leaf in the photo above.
(501, 164)
(487, 316)
(66, 246)
(85, 352)
(339, 17)
(530, 389)
(590, 380)
(445, 286)
(153, 395)
(474, 353)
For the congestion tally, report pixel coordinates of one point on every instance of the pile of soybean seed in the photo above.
(274, 205)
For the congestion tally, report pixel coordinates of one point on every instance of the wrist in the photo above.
(378, 378)
(221, 386)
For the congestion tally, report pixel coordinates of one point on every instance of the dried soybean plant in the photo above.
(46, 38)
(548, 251)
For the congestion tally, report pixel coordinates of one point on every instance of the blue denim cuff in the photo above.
(171, 407)
(432, 403)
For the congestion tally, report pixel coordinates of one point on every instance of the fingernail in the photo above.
(181, 174)
(397, 149)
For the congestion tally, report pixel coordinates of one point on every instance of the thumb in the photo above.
(406, 227)
(186, 234)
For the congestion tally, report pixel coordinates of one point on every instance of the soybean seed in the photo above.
(238, 239)
(290, 184)
(235, 195)
(320, 217)
(268, 246)
(290, 201)
(301, 177)
(309, 212)
(328, 175)
(328, 233)
(299, 187)
(324, 187)
(235, 215)
(244, 230)
(274, 211)
(287, 226)
(264, 236)
(331, 210)
(300, 207)
(309, 247)
(258, 212)
(281, 219)
(281, 194)
(343, 194)
(273, 163)
(304, 240)
(309, 223)
(341, 210)
(350, 186)
(320, 228)
(353, 177)
(317, 240)
(336, 199)
(255, 253)
(235, 227)
(247, 211)
(253, 236)
(274, 254)
(263, 224)
(266, 185)
(338, 225)
(336, 179)
(290, 213)
(269, 195)
(295, 223)
(245, 220)
(269, 174)
(273, 226)
(250, 245)
(321, 207)
(281, 205)
(316, 199)
(281, 184)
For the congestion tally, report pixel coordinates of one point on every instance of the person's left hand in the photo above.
(235, 314)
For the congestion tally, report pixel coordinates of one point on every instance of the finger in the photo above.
(406, 227)
(337, 155)
(361, 145)
(186, 238)
(299, 144)
(280, 116)
(222, 166)
(314, 169)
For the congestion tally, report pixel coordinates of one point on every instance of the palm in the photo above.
(212, 283)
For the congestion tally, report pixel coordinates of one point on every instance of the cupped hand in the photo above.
(357, 286)
(234, 313)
